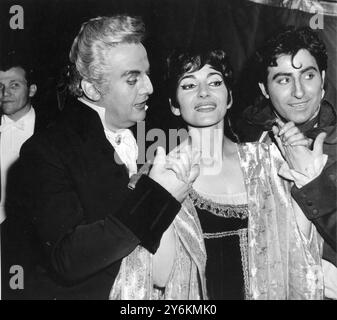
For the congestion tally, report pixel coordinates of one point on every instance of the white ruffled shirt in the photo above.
(122, 140)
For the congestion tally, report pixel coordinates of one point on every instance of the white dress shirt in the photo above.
(12, 136)
(122, 140)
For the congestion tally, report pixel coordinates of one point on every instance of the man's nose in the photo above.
(298, 90)
(203, 90)
(6, 91)
(147, 87)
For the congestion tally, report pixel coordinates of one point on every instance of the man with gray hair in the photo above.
(82, 217)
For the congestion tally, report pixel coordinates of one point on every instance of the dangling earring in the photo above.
(229, 100)
(323, 92)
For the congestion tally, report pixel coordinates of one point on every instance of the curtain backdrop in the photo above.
(239, 26)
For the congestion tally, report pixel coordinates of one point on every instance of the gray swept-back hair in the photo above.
(92, 44)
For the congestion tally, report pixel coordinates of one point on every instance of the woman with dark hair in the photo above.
(239, 213)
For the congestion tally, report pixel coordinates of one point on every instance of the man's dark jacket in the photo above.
(318, 199)
(78, 218)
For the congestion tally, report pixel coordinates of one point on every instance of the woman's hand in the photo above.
(184, 161)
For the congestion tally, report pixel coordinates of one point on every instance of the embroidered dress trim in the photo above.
(222, 210)
(243, 234)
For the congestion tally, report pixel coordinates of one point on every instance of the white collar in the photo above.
(7, 122)
(122, 140)
(98, 109)
(101, 112)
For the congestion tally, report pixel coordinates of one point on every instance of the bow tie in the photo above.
(13, 124)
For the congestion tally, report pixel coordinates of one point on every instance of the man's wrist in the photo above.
(309, 173)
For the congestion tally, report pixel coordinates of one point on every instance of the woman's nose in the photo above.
(203, 90)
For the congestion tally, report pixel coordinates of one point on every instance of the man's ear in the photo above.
(90, 90)
(322, 85)
(32, 90)
(263, 90)
(175, 110)
(323, 76)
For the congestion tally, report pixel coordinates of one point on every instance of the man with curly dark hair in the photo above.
(291, 71)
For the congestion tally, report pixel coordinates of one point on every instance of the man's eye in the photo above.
(216, 83)
(15, 85)
(283, 80)
(188, 86)
(131, 82)
(309, 76)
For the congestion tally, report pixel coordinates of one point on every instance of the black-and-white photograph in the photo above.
(168, 150)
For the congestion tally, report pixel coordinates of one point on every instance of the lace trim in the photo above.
(222, 210)
(244, 259)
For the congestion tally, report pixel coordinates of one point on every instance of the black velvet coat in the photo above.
(72, 217)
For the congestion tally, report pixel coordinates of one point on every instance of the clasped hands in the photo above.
(177, 171)
(303, 163)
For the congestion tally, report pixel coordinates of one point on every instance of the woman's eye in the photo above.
(188, 86)
(216, 83)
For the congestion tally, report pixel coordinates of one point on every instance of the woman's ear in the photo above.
(175, 110)
(263, 90)
(90, 90)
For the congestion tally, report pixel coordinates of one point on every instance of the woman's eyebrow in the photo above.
(213, 74)
(187, 76)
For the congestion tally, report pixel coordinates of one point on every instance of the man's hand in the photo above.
(294, 147)
(175, 173)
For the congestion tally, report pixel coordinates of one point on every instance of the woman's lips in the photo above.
(205, 107)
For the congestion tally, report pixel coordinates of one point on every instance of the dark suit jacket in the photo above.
(78, 218)
(43, 118)
(318, 199)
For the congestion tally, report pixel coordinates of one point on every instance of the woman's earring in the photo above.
(229, 100)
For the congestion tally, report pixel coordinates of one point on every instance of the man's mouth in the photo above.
(299, 105)
(141, 105)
